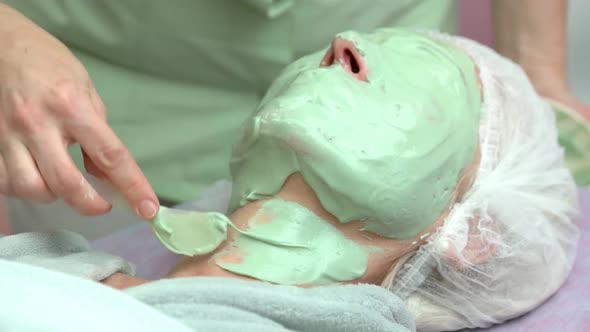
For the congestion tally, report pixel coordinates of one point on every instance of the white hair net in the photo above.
(510, 242)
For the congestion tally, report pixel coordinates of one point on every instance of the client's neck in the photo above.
(296, 190)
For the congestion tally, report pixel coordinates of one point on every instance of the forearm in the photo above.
(533, 34)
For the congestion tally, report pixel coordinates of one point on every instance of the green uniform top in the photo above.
(179, 77)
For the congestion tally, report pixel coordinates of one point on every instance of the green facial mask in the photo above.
(285, 243)
(193, 233)
(190, 233)
(317, 254)
(388, 151)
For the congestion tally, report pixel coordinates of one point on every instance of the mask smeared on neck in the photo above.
(388, 151)
(305, 249)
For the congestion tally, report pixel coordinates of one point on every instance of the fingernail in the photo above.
(147, 209)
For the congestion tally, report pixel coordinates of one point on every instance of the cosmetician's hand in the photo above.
(523, 33)
(551, 82)
(564, 96)
(48, 102)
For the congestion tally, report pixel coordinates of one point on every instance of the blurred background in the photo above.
(579, 48)
(475, 23)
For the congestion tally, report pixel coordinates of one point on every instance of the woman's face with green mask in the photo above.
(380, 126)
(350, 161)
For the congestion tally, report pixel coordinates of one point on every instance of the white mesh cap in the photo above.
(510, 243)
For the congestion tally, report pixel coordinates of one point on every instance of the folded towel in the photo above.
(224, 304)
(36, 299)
(61, 302)
(62, 251)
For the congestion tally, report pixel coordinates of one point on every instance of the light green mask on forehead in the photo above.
(388, 151)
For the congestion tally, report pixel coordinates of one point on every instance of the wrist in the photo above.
(548, 82)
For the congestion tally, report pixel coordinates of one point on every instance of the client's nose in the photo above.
(344, 52)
